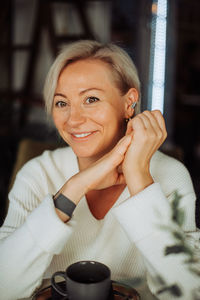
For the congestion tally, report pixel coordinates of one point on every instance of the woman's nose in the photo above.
(76, 116)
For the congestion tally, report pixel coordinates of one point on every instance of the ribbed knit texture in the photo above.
(35, 242)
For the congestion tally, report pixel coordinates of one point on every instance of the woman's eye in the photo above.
(61, 104)
(90, 100)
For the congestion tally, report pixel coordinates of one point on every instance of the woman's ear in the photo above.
(131, 98)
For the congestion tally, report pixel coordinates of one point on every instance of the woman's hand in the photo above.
(149, 132)
(100, 175)
(132, 154)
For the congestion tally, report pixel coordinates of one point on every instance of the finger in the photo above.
(135, 124)
(154, 124)
(119, 169)
(116, 155)
(160, 120)
(149, 120)
(159, 117)
(121, 179)
(112, 159)
(153, 127)
(122, 145)
(129, 128)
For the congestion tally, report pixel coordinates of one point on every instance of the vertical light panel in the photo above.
(158, 54)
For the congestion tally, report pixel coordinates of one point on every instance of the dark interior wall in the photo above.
(187, 82)
(127, 23)
(32, 33)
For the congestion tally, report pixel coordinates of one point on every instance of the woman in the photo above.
(111, 186)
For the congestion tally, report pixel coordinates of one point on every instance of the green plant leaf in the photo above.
(166, 227)
(179, 248)
(175, 249)
(194, 270)
(178, 235)
(175, 202)
(180, 217)
(173, 289)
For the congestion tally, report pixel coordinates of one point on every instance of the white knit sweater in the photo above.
(35, 242)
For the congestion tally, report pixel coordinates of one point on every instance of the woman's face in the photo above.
(88, 110)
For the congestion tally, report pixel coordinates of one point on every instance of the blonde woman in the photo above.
(105, 196)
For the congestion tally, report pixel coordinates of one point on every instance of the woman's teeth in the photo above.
(82, 135)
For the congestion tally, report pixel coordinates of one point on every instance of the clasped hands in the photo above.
(127, 163)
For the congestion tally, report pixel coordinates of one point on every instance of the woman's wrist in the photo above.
(138, 182)
(73, 192)
(73, 189)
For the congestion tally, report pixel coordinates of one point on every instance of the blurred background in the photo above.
(162, 37)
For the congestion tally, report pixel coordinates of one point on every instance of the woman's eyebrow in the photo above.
(60, 94)
(89, 89)
(82, 92)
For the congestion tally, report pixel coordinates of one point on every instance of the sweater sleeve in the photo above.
(141, 216)
(29, 238)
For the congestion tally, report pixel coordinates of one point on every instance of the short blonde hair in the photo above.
(122, 67)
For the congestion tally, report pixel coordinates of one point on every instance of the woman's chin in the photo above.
(91, 154)
(88, 155)
(83, 153)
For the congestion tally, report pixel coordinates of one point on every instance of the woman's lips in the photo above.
(82, 135)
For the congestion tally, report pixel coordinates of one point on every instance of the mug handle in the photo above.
(55, 284)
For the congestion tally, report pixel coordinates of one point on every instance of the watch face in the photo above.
(64, 204)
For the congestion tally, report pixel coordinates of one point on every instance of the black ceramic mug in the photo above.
(89, 280)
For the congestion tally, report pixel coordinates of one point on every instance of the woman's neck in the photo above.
(85, 162)
(101, 201)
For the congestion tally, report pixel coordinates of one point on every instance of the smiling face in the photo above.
(88, 109)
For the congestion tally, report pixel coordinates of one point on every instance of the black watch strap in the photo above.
(64, 204)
